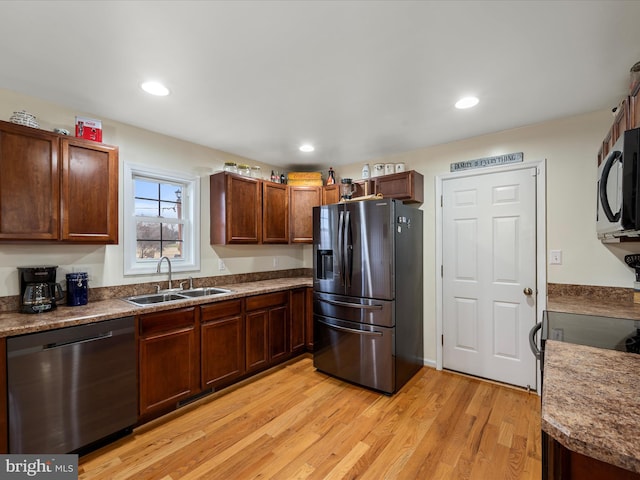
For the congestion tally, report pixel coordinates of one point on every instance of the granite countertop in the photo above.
(16, 323)
(591, 402)
(593, 306)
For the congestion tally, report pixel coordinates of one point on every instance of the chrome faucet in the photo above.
(168, 263)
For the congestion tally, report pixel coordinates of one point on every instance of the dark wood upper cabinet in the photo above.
(89, 192)
(330, 194)
(634, 108)
(235, 209)
(406, 186)
(301, 203)
(275, 213)
(247, 210)
(56, 188)
(29, 184)
(621, 121)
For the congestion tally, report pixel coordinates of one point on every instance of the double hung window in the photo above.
(161, 220)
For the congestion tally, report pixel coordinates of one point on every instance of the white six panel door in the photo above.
(489, 263)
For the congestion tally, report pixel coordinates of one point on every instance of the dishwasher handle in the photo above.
(100, 336)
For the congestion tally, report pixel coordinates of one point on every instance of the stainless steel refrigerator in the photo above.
(367, 302)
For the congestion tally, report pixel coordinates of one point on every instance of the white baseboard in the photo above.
(429, 363)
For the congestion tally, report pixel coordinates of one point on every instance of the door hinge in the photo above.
(442, 340)
(441, 201)
(441, 271)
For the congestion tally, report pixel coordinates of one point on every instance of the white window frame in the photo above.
(190, 211)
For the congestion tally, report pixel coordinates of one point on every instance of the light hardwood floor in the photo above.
(296, 423)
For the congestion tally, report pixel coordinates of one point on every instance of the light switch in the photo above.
(555, 257)
(221, 265)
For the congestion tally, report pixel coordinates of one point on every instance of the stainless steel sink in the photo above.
(204, 292)
(153, 298)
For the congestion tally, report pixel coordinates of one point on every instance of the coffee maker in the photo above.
(38, 289)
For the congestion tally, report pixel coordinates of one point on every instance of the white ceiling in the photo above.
(359, 79)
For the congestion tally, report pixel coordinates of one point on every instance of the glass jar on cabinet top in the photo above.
(230, 167)
(244, 170)
(256, 172)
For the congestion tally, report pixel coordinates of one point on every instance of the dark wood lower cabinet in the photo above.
(222, 343)
(257, 340)
(185, 352)
(169, 359)
(564, 464)
(267, 330)
(297, 314)
(279, 334)
(308, 326)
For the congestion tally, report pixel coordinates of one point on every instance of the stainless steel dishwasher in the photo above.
(71, 387)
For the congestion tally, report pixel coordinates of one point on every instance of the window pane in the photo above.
(170, 192)
(146, 188)
(148, 231)
(172, 249)
(170, 210)
(146, 208)
(171, 232)
(147, 249)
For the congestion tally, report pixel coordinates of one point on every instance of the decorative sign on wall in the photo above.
(487, 162)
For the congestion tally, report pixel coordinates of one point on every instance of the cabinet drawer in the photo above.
(151, 323)
(267, 300)
(216, 311)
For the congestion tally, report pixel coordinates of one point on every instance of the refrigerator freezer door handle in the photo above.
(352, 330)
(348, 249)
(340, 249)
(354, 305)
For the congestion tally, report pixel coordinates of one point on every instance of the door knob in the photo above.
(527, 291)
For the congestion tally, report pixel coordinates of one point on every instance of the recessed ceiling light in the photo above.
(307, 147)
(467, 102)
(155, 88)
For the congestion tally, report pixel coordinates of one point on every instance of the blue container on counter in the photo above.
(77, 289)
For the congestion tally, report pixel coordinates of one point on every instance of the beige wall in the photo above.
(105, 263)
(568, 144)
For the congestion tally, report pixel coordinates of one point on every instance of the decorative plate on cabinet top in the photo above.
(24, 118)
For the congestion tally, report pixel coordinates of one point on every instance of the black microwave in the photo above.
(618, 212)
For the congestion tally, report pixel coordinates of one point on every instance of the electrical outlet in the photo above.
(557, 334)
(275, 262)
(221, 265)
(555, 257)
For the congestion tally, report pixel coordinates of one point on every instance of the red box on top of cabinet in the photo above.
(89, 128)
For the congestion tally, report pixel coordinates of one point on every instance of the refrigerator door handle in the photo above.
(340, 249)
(354, 305)
(348, 249)
(351, 330)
